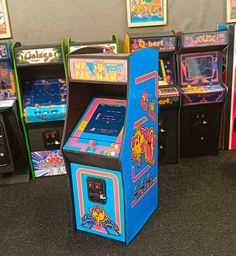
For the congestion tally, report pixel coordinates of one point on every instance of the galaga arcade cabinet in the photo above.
(110, 142)
(169, 96)
(203, 93)
(14, 166)
(41, 82)
(228, 132)
(111, 46)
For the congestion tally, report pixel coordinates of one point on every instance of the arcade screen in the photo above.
(44, 92)
(161, 73)
(199, 67)
(106, 120)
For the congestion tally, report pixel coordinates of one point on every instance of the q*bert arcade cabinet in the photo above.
(110, 142)
(14, 166)
(41, 83)
(169, 96)
(203, 93)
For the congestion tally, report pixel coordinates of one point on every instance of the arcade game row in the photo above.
(228, 132)
(169, 96)
(111, 46)
(41, 83)
(13, 157)
(203, 92)
(110, 142)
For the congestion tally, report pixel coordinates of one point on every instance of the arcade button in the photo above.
(92, 143)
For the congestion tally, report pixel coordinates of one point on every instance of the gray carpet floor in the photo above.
(196, 215)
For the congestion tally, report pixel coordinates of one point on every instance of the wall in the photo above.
(46, 21)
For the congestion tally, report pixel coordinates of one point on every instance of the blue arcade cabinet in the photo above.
(110, 142)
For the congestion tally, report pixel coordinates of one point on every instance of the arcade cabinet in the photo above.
(228, 132)
(41, 83)
(203, 92)
(169, 96)
(13, 156)
(111, 46)
(110, 142)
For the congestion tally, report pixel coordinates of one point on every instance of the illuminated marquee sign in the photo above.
(3, 51)
(164, 44)
(37, 56)
(107, 47)
(102, 70)
(206, 39)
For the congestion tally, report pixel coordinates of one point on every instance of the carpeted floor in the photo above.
(196, 216)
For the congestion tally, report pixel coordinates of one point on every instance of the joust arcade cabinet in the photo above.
(111, 46)
(228, 132)
(169, 96)
(14, 166)
(41, 83)
(203, 92)
(110, 142)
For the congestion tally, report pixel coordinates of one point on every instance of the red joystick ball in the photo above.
(92, 143)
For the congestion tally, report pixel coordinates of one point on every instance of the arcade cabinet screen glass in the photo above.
(4, 76)
(199, 67)
(107, 120)
(161, 76)
(44, 92)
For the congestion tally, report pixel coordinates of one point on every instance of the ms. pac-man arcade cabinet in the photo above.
(110, 142)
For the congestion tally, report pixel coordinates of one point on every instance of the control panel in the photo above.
(170, 91)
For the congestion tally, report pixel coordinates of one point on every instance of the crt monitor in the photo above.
(44, 92)
(106, 120)
(44, 100)
(200, 69)
(162, 73)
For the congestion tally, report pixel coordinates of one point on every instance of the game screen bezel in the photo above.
(162, 73)
(196, 70)
(200, 80)
(79, 131)
(30, 94)
(107, 126)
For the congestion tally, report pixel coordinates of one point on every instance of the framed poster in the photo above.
(142, 13)
(5, 30)
(231, 10)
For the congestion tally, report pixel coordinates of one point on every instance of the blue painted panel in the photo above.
(102, 219)
(139, 155)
